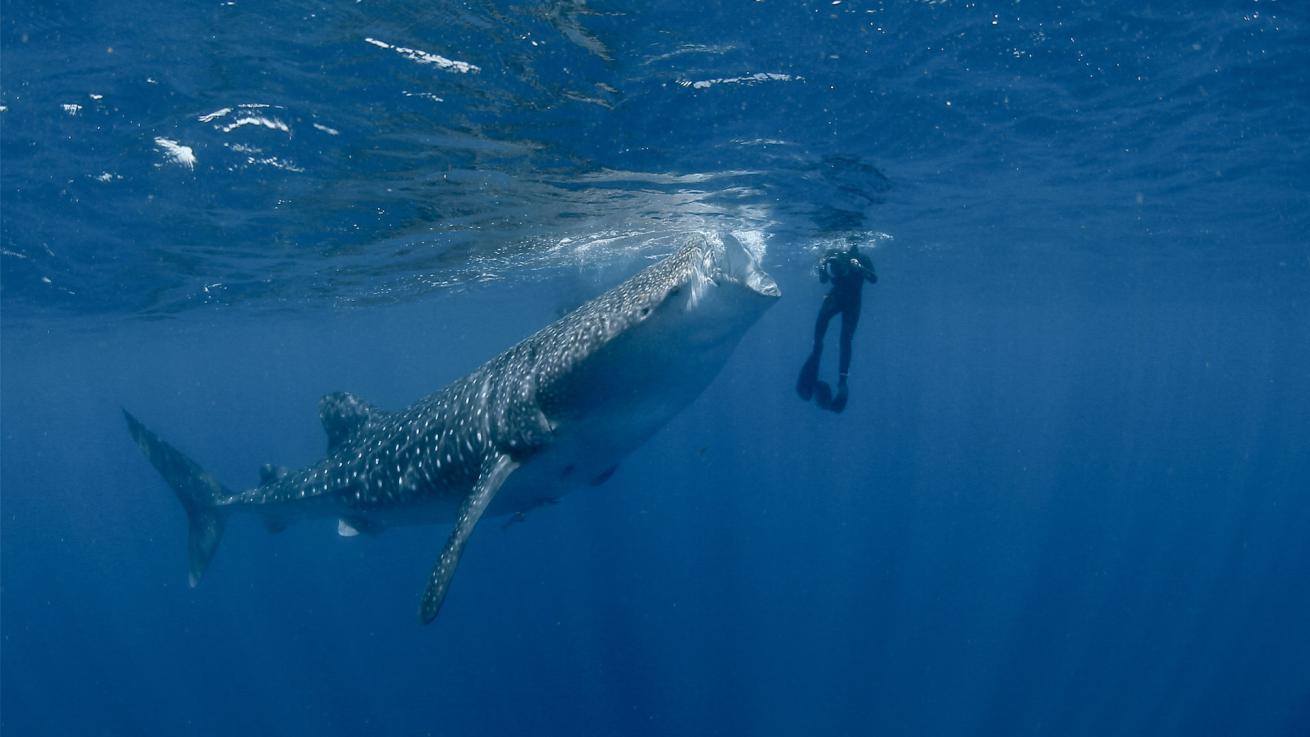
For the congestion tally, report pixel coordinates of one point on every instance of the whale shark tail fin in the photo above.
(196, 488)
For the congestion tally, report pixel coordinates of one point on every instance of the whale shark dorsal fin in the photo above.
(343, 414)
(269, 473)
(494, 472)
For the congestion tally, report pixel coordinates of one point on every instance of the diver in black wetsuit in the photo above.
(848, 270)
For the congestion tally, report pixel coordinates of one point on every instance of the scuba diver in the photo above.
(848, 270)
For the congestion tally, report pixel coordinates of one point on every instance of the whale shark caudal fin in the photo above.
(342, 415)
(198, 491)
(494, 472)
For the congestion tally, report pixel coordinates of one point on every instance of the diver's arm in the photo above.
(870, 275)
(825, 267)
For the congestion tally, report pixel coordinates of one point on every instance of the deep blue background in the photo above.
(1069, 496)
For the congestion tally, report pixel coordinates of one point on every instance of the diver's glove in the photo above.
(868, 271)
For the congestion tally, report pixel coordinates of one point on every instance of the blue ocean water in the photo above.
(1070, 495)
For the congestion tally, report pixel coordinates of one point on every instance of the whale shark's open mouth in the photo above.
(743, 267)
(761, 283)
(728, 261)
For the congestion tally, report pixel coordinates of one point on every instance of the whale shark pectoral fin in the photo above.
(604, 475)
(494, 472)
(354, 526)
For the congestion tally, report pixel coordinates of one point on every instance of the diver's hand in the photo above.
(869, 273)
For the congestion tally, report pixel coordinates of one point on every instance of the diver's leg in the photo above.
(805, 384)
(827, 311)
(850, 317)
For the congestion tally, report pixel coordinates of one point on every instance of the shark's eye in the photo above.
(675, 291)
(645, 311)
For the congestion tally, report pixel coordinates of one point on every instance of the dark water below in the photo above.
(1069, 496)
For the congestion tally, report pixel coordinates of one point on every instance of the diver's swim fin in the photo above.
(823, 394)
(824, 397)
(809, 374)
(839, 401)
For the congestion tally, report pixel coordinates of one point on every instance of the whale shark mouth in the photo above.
(762, 284)
(726, 260)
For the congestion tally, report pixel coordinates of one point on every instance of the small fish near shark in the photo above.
(557, 411)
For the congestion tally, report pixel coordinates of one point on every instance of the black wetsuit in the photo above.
(844, 298)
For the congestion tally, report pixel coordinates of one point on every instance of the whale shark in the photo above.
(556, 412)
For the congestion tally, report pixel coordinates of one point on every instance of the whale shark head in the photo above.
(715, 294)
(626, 362)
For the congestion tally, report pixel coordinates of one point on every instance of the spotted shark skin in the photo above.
(555, 412)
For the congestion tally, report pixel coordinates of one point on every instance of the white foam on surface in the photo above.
(214, 115)
(176, 153)
(428, 95)
(274, 162)
(424, 57)
(755, 78)
(867, 239)
(258, 120)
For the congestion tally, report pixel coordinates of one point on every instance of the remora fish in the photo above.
(556, 411)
